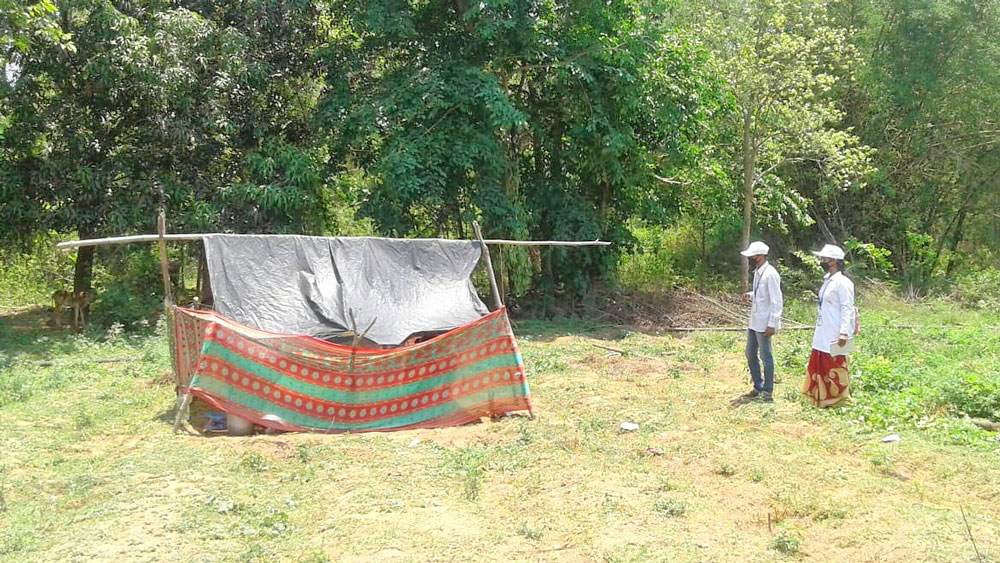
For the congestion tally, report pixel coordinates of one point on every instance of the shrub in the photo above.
(979, 289)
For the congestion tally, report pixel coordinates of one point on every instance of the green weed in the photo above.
(530, 531)
(670, 507)
(787, 541)
(253, 462)
(468, 465)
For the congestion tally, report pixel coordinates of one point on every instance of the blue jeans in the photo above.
(758, 341)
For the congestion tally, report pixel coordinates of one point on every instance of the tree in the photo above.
(164, 108)
(928, 98)
(781, 61)
(542, 119)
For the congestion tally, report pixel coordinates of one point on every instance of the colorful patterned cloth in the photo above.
(827, 382)
(300, 383)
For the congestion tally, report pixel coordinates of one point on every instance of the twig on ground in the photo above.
(719, 305)
(969, 530)
(50, 363)
(608, 313)
(609, 348)
(624, 353)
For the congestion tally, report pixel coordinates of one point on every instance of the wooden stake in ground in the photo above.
(497, 302)
(184, 402)
(161, 228)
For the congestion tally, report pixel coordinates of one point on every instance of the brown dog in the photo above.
(60, 299)
(78, 301)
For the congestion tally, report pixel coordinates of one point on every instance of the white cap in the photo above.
(830, 251)
(756, 248)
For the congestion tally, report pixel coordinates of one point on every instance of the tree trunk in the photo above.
(749, 163)
(83, 271)
(955, 240)
(704, 256)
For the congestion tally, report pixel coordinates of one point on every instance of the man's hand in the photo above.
(746, 297)
(769, 331)
(842, 340)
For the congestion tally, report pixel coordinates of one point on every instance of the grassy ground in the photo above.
(89, 467)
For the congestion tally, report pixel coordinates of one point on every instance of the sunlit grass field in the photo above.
(91, 470)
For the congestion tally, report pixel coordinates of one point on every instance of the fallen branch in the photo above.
(50, 363)
(609, 348)
(969, 530)
(722, 307)
(734, 328)
(723, 328)
(624, 353)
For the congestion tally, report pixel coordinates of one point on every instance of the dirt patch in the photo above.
(678, 308)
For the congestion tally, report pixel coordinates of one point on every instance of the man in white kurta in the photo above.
(827, 380)
(766, 303)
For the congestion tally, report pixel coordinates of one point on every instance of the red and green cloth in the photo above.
(300, 383)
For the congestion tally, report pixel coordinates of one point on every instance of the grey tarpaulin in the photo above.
(306, 285)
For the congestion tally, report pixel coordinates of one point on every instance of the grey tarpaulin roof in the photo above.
(306, 285)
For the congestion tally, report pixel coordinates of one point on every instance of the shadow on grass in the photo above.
(27, 332)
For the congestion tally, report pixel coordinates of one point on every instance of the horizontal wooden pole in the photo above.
(198, 236)
(124, 240)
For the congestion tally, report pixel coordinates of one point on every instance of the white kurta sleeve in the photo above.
(846, 295)
(777, 302)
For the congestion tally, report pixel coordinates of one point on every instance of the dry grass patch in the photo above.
(703, 479)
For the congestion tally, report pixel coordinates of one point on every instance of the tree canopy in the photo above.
(868, 123)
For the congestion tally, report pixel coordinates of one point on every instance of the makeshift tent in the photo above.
(266, 354)
(261, 353)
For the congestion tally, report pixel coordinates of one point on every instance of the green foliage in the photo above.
(868, 259)
(650, 265)
(165, 107)
(539, 125)
(664, 257)
(781, 62)
(24, 25)
(929, 379)
(979, 288)
(468, 465)
(253, 462)
(787, 541)
(927, 99)
(30, 275)
(670, 507)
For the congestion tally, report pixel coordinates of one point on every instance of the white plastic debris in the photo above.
(891, 438)
(414, 442)
(628, 427)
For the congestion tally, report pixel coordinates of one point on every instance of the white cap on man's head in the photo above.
(830, 251)
(756, 248)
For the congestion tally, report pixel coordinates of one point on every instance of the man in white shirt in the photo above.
(765, 319)
(827, 381)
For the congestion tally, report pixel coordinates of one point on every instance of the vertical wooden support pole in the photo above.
(184, 401)
(497, 302)
(161, 229)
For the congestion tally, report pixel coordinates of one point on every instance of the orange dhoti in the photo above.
(827, 381)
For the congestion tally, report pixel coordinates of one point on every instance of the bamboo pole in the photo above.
(184, 402)
(161, 228)
(66, 245)
(498, 303)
